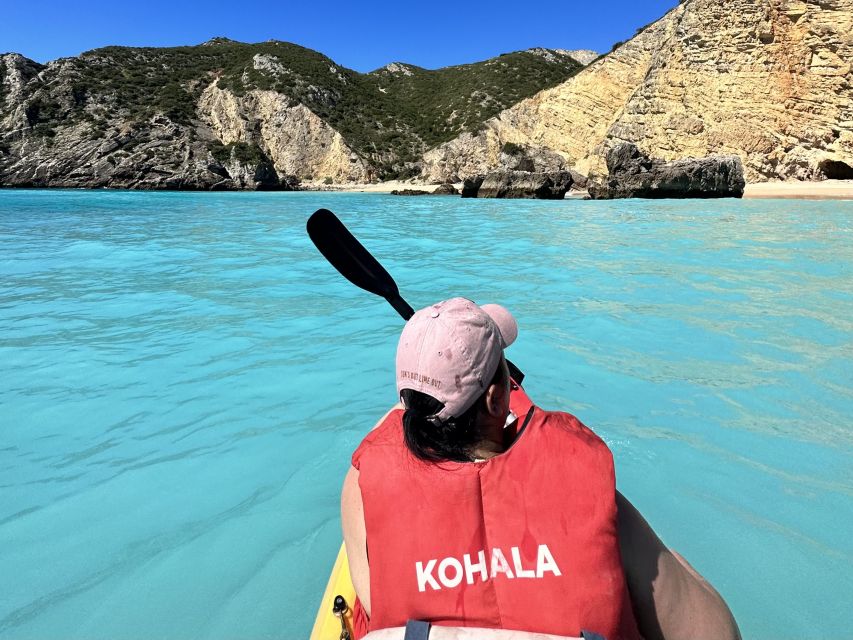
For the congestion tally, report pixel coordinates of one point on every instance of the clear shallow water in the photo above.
(184, 378)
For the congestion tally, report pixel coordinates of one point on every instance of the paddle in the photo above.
(355, 263)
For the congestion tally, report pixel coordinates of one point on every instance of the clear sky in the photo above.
(358, 35)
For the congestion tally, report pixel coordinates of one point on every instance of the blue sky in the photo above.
(358, 35)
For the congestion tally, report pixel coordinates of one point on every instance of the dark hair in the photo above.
(452, 439)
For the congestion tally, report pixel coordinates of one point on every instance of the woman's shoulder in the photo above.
(386, 432)
(568, 426)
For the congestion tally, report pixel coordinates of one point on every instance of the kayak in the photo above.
(335, 617)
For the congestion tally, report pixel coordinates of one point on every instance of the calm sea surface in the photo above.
(183, 378)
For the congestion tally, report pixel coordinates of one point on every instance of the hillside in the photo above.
(162, 117)
(767, 80)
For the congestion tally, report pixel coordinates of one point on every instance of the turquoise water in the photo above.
(184, 378)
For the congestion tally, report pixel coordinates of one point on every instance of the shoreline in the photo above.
(791, 189)
(801, 190)
(788, 190)
(373, 187)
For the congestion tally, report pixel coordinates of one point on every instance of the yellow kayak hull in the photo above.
(327, 626)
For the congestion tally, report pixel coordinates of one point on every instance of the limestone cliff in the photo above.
(767, 80)
(584, 56)
(53, 135)
(16, 72)
(296, 140)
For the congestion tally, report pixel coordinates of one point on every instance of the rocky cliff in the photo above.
(297, 141)
(228, 115)
(767, 80)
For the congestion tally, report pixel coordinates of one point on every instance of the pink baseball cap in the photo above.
(452, 350)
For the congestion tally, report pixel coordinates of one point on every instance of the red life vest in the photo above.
(526, 540)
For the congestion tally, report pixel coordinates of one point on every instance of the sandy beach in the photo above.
(373, 187)
(795, 189)
(825, 190)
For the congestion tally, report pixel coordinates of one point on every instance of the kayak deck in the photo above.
(327, 625)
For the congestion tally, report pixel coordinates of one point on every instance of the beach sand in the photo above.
(394, 185)
(376, 187)
(825, 190)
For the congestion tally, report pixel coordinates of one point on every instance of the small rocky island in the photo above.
(519, 184)
(632, 174)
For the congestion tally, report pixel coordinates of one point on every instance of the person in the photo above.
(469, 506)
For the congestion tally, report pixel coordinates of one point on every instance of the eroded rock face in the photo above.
(766, 80)
(255, 141)
(296, 140)
(409, 192)
(470, 155)
(162, 155)
(525, 184)
(471, 185)
(446, 190)
(579, 181)
(584, 56)
(571, 121)
(157, 153)
(633, 174)
(15, 72)
(257, 174)
(121, 159)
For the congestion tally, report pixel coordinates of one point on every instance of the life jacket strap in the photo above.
(417, 630)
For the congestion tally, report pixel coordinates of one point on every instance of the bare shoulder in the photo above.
(397, 406)
(351, 494)
(671, 600)
(354, 529)
(355, 537)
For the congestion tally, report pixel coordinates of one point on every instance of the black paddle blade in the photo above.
(352, 260)
(356, 264)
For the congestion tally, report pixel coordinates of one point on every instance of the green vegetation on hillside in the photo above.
(442, 103)
(390, 117)
(241, 151)
(437, 106)
(147, 81)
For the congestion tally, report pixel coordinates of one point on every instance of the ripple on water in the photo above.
(185, 379)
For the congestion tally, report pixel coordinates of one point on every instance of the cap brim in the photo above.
(506, 323)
